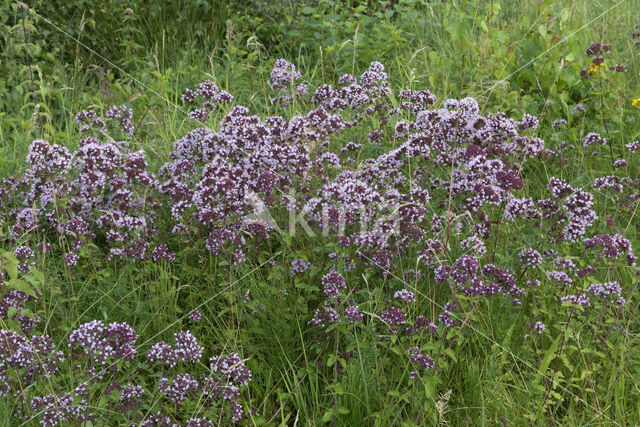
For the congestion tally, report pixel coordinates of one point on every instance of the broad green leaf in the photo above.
(22, 286)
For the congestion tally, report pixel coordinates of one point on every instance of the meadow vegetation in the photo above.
(353, 212)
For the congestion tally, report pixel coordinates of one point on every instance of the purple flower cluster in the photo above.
(35, 361)
(612, 247)
(195, 315)
(101, 342)
(227, 375)
(162, 252)
(104, 187)
(420, 359)
(353, 314)
(581, 300)
(449, 190)
(405, 296)
(608, 290)
(186, 349)
(530, 258)
(56, 410)
(13, 305)
(333, 283)
(299, 267)
(211, 95)
(393, 316)
(560, 277)
(283, 78)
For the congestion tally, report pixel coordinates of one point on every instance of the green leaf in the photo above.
(328, 415)
(452, 354)
(11, 264)
(35, 280)
(331, 360)
(343, 363)
(22, 286)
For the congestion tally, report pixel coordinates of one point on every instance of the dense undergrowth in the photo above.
(422, 215)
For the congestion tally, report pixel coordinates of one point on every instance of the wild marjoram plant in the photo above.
(411, 244)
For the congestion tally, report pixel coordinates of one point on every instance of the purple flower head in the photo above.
(422, 360)
(156, 419)
(71, 258)
(405, 296)
(102, 342)
(233, 368)
(161, 252)
(594, 49)
(238, 256)
(209, 90)
(284, 74)
(612, 246)
(323, 317)
(582, 300)
(464, 269)
(394, 316)
(564, 263)
(189, 95)
(55, 410)
(594, 138)
(23, 252)
(447, 319)
(607, 182)
(88, 336)
(442, 273)
(353, 314)
(131, 396)
(559, 188)
(187, 348)
(163, 353)
(199, 422)
(584, 272)
(608, 290)
(333, 283)
(423, 322)
(177, 390)
(195, 316)
(620, 163)
(578, 108)
(560, 276)
(529, 122)
(299, 266)
(530, 258)
(633, 146)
